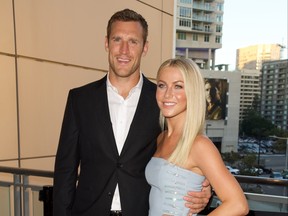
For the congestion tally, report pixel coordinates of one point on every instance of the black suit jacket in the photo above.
(87, 140)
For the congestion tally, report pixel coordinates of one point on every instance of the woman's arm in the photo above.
(207, 158)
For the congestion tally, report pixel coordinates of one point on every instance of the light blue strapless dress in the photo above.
(169, 184)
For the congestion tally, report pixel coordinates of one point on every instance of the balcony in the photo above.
(200, 18)
(203, 7)
(202, 30)
(21, 195)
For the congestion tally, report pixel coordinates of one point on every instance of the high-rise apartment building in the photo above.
(198, 35)
(199, 30)
(274, 92)
(249, 90)
(251, 57)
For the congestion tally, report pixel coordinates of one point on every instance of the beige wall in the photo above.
(59, 45)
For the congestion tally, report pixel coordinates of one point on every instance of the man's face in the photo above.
(125, 48)
(207, 92)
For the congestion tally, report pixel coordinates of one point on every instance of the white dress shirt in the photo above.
(122, 111)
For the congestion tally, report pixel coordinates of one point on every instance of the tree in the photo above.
(247, 163)
(256, 126)
(231, 157)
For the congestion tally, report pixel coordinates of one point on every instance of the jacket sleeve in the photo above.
(66, 163)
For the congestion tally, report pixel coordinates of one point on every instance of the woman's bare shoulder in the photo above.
(202, 144)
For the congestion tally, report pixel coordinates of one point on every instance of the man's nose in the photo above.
(124, 47)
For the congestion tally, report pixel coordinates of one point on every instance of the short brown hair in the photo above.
(127, 15)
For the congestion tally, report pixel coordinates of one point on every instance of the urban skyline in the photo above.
(249, 23)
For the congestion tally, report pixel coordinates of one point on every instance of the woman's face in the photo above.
(170, 94)
(207, 92)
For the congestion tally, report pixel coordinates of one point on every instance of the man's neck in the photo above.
(124, 84)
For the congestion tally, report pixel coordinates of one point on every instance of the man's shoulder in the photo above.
(90, 86)
(148, 83)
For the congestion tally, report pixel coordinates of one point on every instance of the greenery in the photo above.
(244, 164)
(259, 128)
(253, 125)
(231, 158)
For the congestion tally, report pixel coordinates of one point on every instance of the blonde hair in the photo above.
(196, 107)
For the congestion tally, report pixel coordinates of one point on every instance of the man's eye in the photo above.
(133, 41)
(116, 39)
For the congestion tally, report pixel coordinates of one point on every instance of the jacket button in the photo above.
(109, 194)
(119, 165)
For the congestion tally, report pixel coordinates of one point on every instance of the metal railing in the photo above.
(22, 194)
(25, 198)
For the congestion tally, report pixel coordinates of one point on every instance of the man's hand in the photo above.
(197, 201)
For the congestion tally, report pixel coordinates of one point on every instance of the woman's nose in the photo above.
(168, 93)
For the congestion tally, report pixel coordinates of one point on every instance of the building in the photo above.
(199, 30)
(198, 35)
(249, 90)
(224, 131)
(274, 92)
(251, 57)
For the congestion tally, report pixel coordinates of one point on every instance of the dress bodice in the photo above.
(169, 184)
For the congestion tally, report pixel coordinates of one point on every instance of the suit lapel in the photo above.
(103, 116)
(146, 97)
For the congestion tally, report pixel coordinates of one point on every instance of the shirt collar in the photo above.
(137, 86)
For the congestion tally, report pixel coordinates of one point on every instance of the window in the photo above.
(185, 22)
(207, 6)
(219, 18)
(185, 12)
(218, 28)
(206, 38)
(207, 17)
(182, 36)
(207, 28)
(218, 39)
(186, 1)
(196, 26)
(195, 37)
(219, 6)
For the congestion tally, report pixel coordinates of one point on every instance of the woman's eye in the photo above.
(178, 86)
(160, 85)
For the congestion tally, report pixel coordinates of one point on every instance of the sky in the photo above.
(251, 22)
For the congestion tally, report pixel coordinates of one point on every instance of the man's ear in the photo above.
(145, 48)
(106, 43)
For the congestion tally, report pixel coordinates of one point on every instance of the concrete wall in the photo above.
(227, 129)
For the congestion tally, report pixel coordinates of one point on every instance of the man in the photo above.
(109, 133)
(213, 101)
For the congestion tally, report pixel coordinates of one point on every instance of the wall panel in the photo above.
(43, 90)
(6, 27)
(8, 109)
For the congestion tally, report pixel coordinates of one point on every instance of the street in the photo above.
(277, 163)
(274, 161)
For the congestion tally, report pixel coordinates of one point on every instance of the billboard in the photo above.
(216, 98)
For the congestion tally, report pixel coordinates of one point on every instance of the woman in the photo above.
(184, 156)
